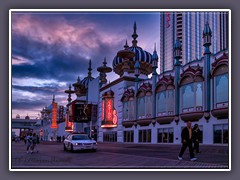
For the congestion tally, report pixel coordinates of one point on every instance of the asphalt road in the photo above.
(118, 156)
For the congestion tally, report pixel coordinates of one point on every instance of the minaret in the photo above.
(102, 72)
(177, 56)
(207, 34)
(154, 80)
(134, 35)
(89, 76)
(69, 92)
(69, 125)
(137, 73)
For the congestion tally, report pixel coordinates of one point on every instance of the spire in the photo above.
(134, 35)
(53, 100)
(207, 34)
(78, 79)
(155, 56)
(154, 59)
(90, 68)
(104, 62)
(207, 30)
(126, 46)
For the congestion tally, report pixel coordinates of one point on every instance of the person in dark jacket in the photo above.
(196, 137)
(186, 136)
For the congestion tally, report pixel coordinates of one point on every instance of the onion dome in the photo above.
(144, 58)
(89, 78)
(27, 117)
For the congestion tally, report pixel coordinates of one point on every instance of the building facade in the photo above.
(136, 109)
(193, 85)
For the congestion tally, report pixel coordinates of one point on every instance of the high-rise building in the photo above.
(188, 28)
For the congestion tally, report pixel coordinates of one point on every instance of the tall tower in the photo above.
(188, 28)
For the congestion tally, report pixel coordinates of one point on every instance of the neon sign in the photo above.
(109, 113)
(115, 117)
(109, 110)
(69, 125)
(54, 116)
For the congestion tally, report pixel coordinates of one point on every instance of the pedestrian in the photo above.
(196, 137)
(63, 138)
(34, 143)
(29, 141)
(186, 136)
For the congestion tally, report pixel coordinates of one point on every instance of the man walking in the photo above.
(187, 142)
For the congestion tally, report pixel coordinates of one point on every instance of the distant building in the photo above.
(188, 28)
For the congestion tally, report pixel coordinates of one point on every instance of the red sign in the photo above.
(69, 125)
(109, 113)
(115, 117)
(54, 115)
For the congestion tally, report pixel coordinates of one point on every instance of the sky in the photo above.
(51, 49)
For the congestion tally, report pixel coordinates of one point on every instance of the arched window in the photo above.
(191, 91)
(165, 97)
(220, 85)
(144, 101)
(128, 104)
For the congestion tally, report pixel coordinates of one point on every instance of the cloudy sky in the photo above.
(51, 49)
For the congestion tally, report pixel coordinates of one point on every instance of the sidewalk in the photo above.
(120, 156)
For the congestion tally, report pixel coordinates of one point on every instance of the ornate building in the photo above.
(137, 109)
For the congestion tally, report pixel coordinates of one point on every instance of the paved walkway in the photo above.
(119, 156)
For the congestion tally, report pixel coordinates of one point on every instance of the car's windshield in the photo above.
(80, 137)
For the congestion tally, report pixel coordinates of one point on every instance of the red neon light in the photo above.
(103, 109)
(115, 117)
(109, 110)
(108, 125)
(69, 125)
(54, 116)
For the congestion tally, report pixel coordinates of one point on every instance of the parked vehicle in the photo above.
(78, 141)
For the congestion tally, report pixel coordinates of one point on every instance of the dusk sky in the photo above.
(51, 49)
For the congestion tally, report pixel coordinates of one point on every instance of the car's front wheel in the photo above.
(64, 147)
(72, 148)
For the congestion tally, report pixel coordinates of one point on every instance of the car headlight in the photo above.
(78, 144)
(95, 143)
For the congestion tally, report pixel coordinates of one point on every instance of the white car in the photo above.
(75, 142)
